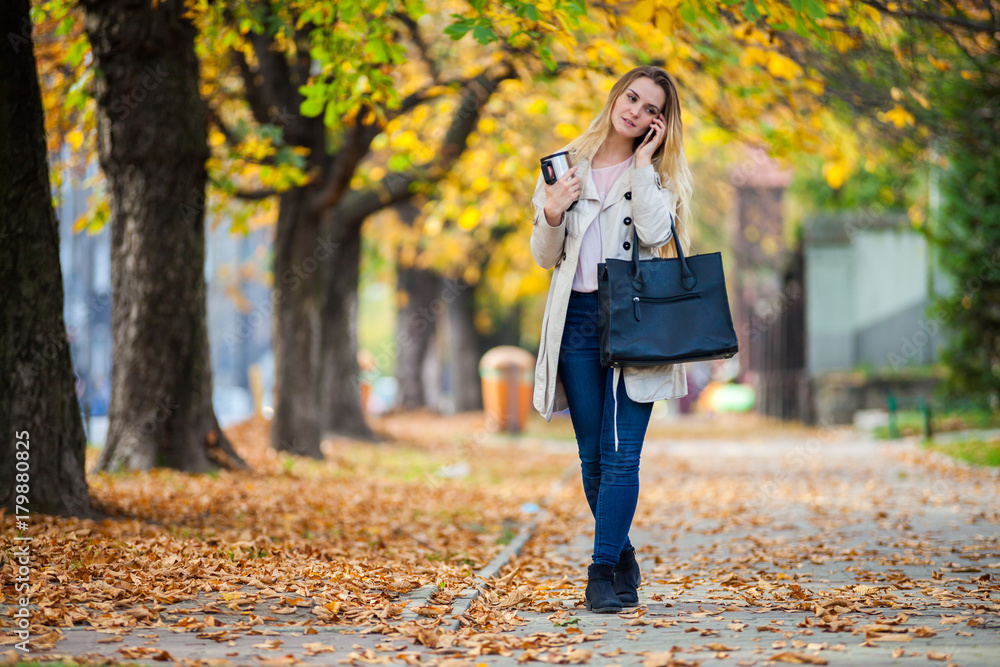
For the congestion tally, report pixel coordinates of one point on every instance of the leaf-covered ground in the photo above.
(760, 544)
(345, 538)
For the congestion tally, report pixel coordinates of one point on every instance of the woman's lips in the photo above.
(627, 121)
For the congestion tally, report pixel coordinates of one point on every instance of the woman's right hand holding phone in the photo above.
(560, 196)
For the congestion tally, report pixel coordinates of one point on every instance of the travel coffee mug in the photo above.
(553, 168)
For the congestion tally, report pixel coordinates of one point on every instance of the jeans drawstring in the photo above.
(617, 374)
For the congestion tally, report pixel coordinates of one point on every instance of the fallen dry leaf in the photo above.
(798, 658)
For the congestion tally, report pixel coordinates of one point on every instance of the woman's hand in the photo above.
(560, 196)
(644, 154)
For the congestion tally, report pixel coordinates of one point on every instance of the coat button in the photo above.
(564, 255)
(628, 221)
(626, 245)
(628, 195)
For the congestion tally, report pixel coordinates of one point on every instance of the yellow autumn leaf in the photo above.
(919, 98)
(873, 14)
(940, 65)
(814, 86)
(753, 55)
(469, 218)
(404, 140)
(835, 173)
(643, 11)
(843, 42)
(898, 116)
(81, 223)
(75, 139)
(783, 66)
(566, 131)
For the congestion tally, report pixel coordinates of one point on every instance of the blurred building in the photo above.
(829, 324)
(870, 280)
(869, 283)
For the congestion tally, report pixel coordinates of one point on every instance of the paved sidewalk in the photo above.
(832, 550)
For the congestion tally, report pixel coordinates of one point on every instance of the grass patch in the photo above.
(974, 450)
(912, 422)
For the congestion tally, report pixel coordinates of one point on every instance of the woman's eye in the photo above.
(631, 98)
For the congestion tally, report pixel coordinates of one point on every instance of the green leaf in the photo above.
(570, 621)
(319, 54)
(348, 10)
(800, 27)
(458, 29)
(575, 8)
(332, 116)
(546, 55)
(689, 13)
(815, 9)
(750, 11)
(65, 26)
(287, 156)
(76, 52)
(484, 34)
(239, 225)
(478, 5)
(312, 106)
(378, 51)
(399, 162)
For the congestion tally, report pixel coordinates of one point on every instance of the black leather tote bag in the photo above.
(664, 311)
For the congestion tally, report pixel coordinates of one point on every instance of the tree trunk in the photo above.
(298, 256)
(43, 443)
(152, 146)
(415, 327)
(340, 386)
(465, 349)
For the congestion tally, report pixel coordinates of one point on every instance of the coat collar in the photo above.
(618, 190)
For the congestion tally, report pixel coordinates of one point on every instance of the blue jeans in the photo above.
(610, 475)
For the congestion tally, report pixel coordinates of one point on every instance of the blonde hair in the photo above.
(669, 160)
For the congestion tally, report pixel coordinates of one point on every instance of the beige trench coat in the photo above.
(637, 201)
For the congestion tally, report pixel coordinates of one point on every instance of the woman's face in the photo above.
(636, 108)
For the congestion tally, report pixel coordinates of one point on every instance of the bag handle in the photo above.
(688, 279)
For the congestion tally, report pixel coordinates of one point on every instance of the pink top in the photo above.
(591, 247)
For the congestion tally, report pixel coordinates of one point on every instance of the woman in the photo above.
(630, 178)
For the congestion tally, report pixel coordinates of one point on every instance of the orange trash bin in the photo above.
(508, 377)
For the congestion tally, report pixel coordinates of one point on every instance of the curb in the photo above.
(461, 604)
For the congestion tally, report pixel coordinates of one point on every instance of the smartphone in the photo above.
(639, 141)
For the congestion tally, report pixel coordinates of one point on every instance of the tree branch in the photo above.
(422, 47)
(355, 206)
(215, 119)
(358, 139)
(934, 18)
(342, 167)
(255, 195)
(253, 92)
